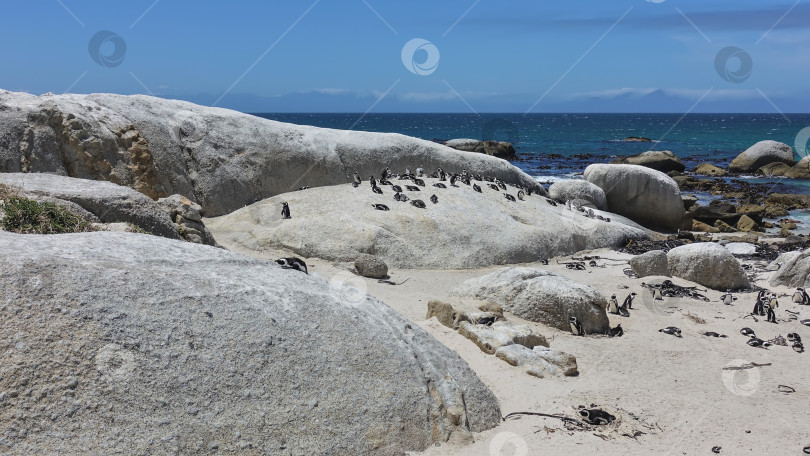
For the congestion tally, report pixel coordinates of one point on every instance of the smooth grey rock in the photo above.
(659, 160)
(741, 248)
(491, 338)
(540, 296)
(108, 202)
(221, 159)
(708, 264)
(577, 189)
(371, 267)
(652, 263)
(465, 229)
(641, 194)
(452, 314)
(761, 154)
(168, 338)
(792, 269)
(539, 361)
(502, 150)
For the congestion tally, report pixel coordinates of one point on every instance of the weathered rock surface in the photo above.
(794, 271)
(660, 160)
(103, 202)
(370, 266)
(652, 263)
(218, 158)
(707, 169)
(187, 217)
(761, 154)
(641, 194)
(577, 189)
(708, 264)
(465, 229)
(800, 170)
(740, 248)
(498, 149)
(539, 361)
(540, 296)
(774, 169)
(181, 348)
(500, 334)
(452, 314)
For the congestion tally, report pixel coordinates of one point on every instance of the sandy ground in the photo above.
(672, 396)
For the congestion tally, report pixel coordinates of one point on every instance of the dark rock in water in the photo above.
(659, 160)
(707, 169)
(716, 210)
(689, 201)
(789, 200)
(503, 150)
(637, 139)
(774, 169)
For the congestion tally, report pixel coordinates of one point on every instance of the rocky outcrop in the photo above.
(539, 361)
(761, 154)
(774, 169)
(183, 348)
(707, 169)
(490, 338)
(464, 229)
(497, 149)
(641, 194)
(576, 189)
(371, 266)
(794, 271)
(652, 263)
(453, 314)
(187, 217)
(540, 296)
(800, 170)
(708, 264)
(220, 159)
(659, 160)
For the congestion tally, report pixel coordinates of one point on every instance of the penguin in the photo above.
(793, 337)
(380, 207)
(303, 188)
(607, 219)
(773, 302)
(442, 175)
(500, 184)
(656, 292)
(761, 294)
(489, 178)
(806, 300)
(477, 177)
(486, 321)
(576, 326)
(407, 170)
(613, 305)
(285, 210)
(616, 332)
(420, 172)
(758, 343)
(453, 180)
(623, 311)
(592, 263)
(805, 322)
(477, 188)
(509, 197)
(628, 301)
(748, 332)
(377, 190)
(464, 172)
(396, 188)
(798, 296)
(494, 187)
(713, 334)
(521, 195)
(599, 217)
(728, 298)
(591, 213)
(465, 180)
(372, 181)
(671, 330)
(385, 173)
(293, 263)
(551, 201)
(400, 197)
(439, 185)
(356, 180)
(798, 347)
(757, 308)
(385, 182)
(596, 417)
(419, 182)
(771, 313)
(419, 203)
(544, 261)
(434, 199)
(412, 188)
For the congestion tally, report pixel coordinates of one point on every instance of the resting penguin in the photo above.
(623, 311)
(713, 334)
(628, 301)
(380, 207)
(500, 184)
(285, 210)
(419, 203)
(400, 197)
(758, 343)
(412, 188)
(615, 332)
(728, 298)
(396, 188)
(434, 199)
(798, 347)
(377, 190)
(477, 188)
(293, 263)
(385, 174)
(494, 187)
(806, 322)
(509, 197)
(439, 185)
(748, 332)
(596, 417)
(419, 182)
(793, 337)
(613, 305)
(671, 330)
(798, 296)
(576, 326)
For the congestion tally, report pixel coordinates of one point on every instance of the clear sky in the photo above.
(489, 55)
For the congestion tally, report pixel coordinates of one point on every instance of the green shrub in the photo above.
(25, 216)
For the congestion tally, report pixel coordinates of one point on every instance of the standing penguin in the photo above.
(728, 298)
(356, 180)
(798, 296)
(521, 195)
(476, 188)
(420, 172)
(372, 181)
(628, 301)
(758, 307)
(613, 305)
(772, 301)
(434, 199)
(656, 292)
(771, 313)
(285, 210)
(453, 180)
(442, 175)
(576, 326)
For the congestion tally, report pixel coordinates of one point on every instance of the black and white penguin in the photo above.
(489, 178)
(591, 213)
(773, 301)
(728, 298)
(500, 184)
(285, 210)
(434, 199)
(798, 347)
(521, 195)
(477, 177)
(509, 197)
(400, 197)
(439, 185)
(385, 182)
(551, 201)
(596, 417)
(465, 180)
(758, 343)
(576, 326)
(544, 261)
(464, 172)
(303, 188)
(385, 173)
(656, 292)
(771, 313)
(793, 337)
(412, 188)
(372, 181)
(419, 203)
(762, 294)
(798, 297)
(380, 207)
(713, 334)
(623, 311)
(419, 182)
(494, 187)
(613, 305)
(420, 172)
(293, 263)
(356, 180)
(748, 332)
(592, 263)
(442, 175)
(758, 307)
(671, 330)
(805, 322)
(396, 188)
(616, 332)
(628, 301)
(377, 190)
(407, 170)
(477, 188)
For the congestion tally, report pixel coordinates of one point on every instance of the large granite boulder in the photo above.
(708, 264)
(464, 229)
(793, 270)
(103, 202)
(659, 160)
(498, 149)
(216, 157)
(652, 263)
(800, 170)
(577, 189)
(118, 341)
(540, 296)
(761, 154)
(641, 194)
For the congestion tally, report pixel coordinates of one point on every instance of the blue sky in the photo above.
(346, 55)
